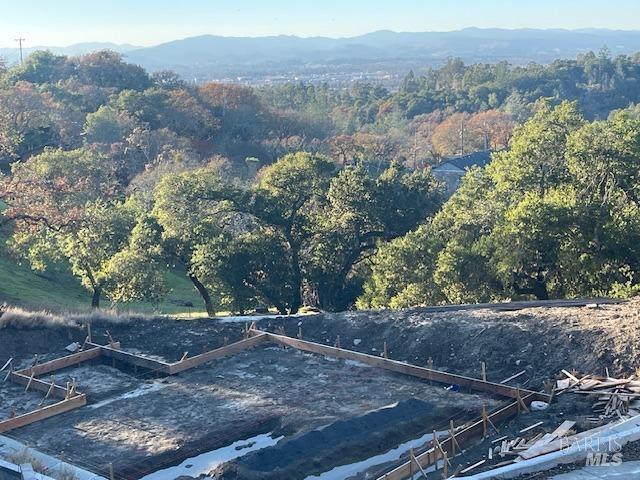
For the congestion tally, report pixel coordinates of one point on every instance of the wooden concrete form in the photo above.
(221, 352)
(133, 359)
(38, 384)
(471, 432)
(256, 337)
(404, 368)
(78, 401)
(478, 428)
(71, 399)
(64, 362)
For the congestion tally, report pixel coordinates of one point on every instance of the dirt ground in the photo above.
(143, 424)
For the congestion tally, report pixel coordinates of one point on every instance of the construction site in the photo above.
(515, 390)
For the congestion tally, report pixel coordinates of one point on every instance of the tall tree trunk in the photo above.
(204, 293)
(296, 281)
(95, 299)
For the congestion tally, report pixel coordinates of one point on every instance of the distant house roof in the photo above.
(465, 162)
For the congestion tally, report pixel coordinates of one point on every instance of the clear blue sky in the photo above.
(148, 22)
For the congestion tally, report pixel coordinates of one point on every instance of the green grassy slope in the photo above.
(21, 286)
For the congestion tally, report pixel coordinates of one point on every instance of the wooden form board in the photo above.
(431, 456)
(221, 352)
(42, 413)
(38, 384)
(405, 368)
(473, 431)
(64, 362)
(132, 358)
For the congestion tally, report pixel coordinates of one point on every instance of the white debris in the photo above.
(357, 341)
(73, 347)
(537, 405)
(205, 462)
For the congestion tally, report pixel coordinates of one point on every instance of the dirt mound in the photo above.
(540, 341)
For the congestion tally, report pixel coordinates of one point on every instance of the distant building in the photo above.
(451, 169)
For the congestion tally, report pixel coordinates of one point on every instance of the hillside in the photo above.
(59, 291)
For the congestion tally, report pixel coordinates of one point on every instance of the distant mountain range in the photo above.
(381, 54)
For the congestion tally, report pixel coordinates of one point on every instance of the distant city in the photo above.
(382, 57)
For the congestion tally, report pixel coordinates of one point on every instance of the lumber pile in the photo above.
(614, 397)
(529, 442)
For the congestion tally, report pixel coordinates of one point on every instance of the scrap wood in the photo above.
(477, 464)
(560, 443)
(500, 439)
(572, 377)
(564, 428)
(513, 377)
(6, 364)
(531, 427)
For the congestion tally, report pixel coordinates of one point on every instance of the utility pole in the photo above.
(20, 40)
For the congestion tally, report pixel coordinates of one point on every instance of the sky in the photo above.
(150, 22)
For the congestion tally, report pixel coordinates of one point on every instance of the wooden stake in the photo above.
(111, 476)
(413, 457)
(521, 404)
(29, 382)
(454, 441)
(446, 464)
(483, 369)
(226, 341)
(53, 385)
(89, 333)
(338, 342)
(430, 363)
(300, 333)
(484, 421)
(385, 351)
(9, 372)
(108, 334)
(7, 364)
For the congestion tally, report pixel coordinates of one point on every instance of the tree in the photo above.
(106, 125)
(137, 271)
(402, 272)
(284, 197)
(190, 208)
(64, 206)
(493, 127)
(107, 69)
(361, 211)
(247, 270)
(455, 137)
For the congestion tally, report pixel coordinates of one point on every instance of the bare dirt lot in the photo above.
(141, 425)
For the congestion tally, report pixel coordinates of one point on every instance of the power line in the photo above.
(20, 40)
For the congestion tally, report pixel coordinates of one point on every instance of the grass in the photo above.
(60, 291)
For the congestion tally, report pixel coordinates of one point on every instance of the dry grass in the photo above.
(20, 318)
(65, 473)
(23, 456)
